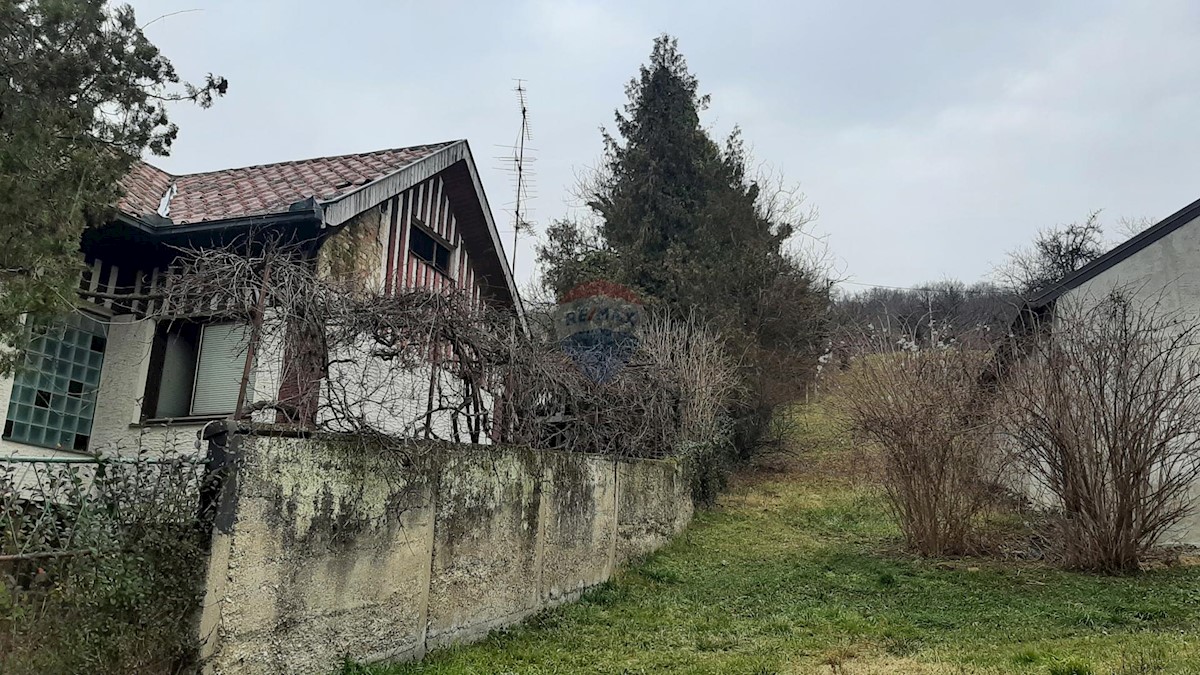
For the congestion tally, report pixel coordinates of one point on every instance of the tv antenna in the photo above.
(519, 165)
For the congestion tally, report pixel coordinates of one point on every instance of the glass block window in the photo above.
(54, 392)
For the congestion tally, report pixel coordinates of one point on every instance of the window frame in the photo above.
(438, 242)
(157, 361)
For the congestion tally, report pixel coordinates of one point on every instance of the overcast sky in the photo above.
(932, 136)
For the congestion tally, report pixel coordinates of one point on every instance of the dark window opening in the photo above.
(42, 400)
(195, 370)
(429, 249)
(81, 441)
(75, 388)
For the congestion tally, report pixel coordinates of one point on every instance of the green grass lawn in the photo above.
(800, 571)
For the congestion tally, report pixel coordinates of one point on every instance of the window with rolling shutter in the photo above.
(196, 370)
(219, 368)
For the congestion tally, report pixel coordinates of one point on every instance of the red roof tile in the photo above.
(262, 189)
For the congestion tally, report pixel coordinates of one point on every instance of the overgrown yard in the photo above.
(800, 570)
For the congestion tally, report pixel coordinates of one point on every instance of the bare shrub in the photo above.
(692, 355)
(695, 361)
(1105, 413)
(670, 399)
(918, 406)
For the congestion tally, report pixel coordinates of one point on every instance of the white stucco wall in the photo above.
(393, 398)
(1165, 273)
(1166, 270)
(116, 425)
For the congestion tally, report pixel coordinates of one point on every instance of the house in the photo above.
(1161, 262)
(1159, 268)
(110, 377)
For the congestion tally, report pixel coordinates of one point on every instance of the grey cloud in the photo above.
(933, 136)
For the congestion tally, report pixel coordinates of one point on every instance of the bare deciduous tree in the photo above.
(1105, 413)
(938, 311)
(1056, 253)
(1129, 227)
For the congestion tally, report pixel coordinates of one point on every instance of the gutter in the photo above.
(1118, 254)
(307, 211)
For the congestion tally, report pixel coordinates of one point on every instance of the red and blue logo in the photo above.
(597, 323)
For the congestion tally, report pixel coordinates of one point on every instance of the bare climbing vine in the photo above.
(330, 352)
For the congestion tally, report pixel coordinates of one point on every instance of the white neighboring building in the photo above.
(109, 379)
(1159, 266)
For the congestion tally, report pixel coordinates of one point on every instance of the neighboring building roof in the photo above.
(262, 189)
(1034, 311)
(1105, 262)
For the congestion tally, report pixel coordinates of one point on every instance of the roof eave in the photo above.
(1109, 260)
(344, 207)
(495, 236)
(310, 212)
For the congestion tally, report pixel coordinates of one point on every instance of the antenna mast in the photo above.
(524, 174)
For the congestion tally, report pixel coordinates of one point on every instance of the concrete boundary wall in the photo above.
(325, 549)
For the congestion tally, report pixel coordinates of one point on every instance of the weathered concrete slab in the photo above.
(653, 505)
(329, 556)
(486, 543)
(331, 549)
(578, 520)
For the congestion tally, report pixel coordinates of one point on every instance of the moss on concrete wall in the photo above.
(374, 552)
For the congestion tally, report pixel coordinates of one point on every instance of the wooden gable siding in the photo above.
(426, 204)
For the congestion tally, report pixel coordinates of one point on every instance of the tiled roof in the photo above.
(262, 189)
